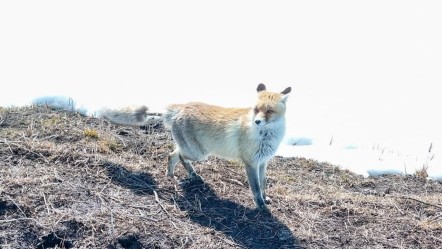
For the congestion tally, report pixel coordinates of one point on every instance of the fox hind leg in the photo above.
(190, 170)
(174, 158)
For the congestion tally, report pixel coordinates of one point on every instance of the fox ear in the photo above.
(261, 87)
(284, 98)
(287, 90)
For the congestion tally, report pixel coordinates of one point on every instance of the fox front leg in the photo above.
(262, 181)
(254, 182)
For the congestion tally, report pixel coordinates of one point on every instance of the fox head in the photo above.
(270, 106)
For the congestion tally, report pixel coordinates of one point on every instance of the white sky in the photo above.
(360, 70)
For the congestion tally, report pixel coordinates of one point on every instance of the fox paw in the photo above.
(196, 178)
(263, 208)
(267, 200)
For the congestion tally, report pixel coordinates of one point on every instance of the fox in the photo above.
(250, 135)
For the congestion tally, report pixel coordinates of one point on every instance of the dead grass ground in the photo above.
(70, 181)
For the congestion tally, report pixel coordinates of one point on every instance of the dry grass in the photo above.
(69, 181)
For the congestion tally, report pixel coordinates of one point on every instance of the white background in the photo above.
(365, 73)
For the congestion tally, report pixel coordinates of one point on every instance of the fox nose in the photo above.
(257, 121)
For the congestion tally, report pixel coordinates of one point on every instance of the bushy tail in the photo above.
(133, 116)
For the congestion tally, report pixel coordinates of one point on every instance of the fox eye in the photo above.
(270, 111)
(256, 110)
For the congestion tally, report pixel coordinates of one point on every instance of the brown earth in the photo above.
(70, 181)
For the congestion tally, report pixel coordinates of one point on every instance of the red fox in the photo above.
(251, 135)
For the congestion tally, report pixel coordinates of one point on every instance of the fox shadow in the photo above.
(139, 182)
(248, 227)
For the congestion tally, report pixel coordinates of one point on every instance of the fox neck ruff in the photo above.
(268, 137)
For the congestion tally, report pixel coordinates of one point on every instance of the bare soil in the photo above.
(71, 181)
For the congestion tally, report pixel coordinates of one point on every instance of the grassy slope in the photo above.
(78, 182)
